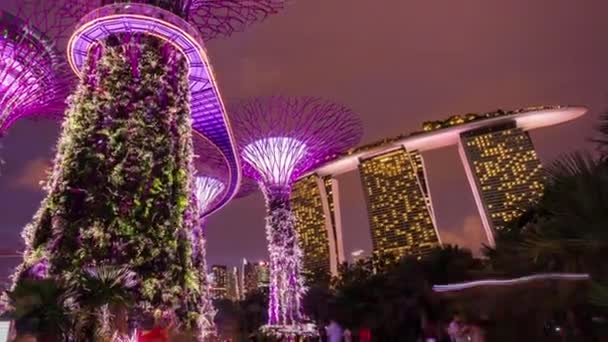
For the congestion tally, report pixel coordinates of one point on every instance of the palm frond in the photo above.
(602, 129)
(107, 285)
(580, 163)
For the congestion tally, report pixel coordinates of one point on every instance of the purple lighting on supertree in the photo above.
(207, 189)
(34, 78)
(275, 158)
(304, 131)
(213, 18)
(209, 184)
(132, 22)
(280, 139)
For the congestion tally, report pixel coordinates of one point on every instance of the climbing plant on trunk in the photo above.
(120, 187)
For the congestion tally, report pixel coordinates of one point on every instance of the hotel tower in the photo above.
(504, 172)
(398, 203)
(318, 222)
(502, 167)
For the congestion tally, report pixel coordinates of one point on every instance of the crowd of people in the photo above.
(335, 333)
(458, 330)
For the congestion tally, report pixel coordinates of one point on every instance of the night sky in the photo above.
(396, 63)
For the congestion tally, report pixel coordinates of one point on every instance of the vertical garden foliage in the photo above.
(120, 188)
(285, 258)
(203, 301)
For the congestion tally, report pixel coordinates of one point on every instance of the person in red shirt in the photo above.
(152, 330)
(157, 334)
(365, 335)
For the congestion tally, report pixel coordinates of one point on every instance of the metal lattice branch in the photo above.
(209, 162)
(213, 18)
(47, 17)
(34, 78)
(222, 18)
(281, 138)
(207, 189)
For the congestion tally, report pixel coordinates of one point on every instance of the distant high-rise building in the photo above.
(318, 222)
(504, 172)
(263, 274)
(256, 276)
(219, 277)
(232, 285)
(399, 212)
(250, 277)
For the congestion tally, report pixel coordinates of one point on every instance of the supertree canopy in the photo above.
(281, 138)
(121, 193)
(212, 18)
(34, 77)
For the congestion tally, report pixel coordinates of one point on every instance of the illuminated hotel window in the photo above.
(307, 207)
(398, 208)
(506, 169)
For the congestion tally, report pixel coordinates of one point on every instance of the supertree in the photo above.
(34, 77)
(279, 139)
(209, 184)
(212, 18)
(121, 187)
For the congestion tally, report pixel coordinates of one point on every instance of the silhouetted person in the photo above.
(334, 331)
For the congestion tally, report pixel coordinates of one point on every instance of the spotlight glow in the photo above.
(275, 158)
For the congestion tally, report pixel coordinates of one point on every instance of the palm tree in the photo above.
(566, 231)
(105, 293)
(571, 235)
(41, 307)
(602, 129)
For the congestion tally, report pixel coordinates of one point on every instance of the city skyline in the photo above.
(455, 72)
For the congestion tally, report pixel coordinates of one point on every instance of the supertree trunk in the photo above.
(205, 325)
(286, 287)
(120, 188)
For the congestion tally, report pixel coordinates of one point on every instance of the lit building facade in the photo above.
(233, 291)
(263, 274)
(418, 164)
(334, 223)
(504, 172)
(250, 277)
(219, 278)
(255, 276)
(479, 137)
(318, 222)
(400, 220)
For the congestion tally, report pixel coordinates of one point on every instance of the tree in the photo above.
(602, 140)
(566, 230)
(41, 307)
(393, 298)
(319, 298)
(105, 293)
(120, 188)
(254, 309)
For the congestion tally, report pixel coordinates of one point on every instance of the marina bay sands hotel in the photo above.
(502, 167)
